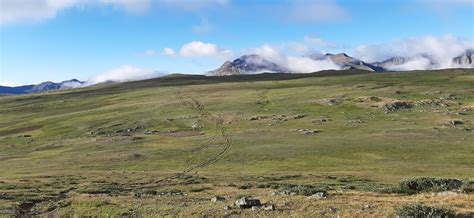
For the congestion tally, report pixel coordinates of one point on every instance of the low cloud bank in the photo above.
(124, 74)
(424, 53)
(298, 64)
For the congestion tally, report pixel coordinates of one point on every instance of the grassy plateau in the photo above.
(166, 146)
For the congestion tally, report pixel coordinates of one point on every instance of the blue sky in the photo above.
(63, 39)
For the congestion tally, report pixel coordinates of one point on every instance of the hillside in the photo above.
(166, 146)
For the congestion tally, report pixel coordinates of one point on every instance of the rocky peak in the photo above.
(228, 68)
(465, 59)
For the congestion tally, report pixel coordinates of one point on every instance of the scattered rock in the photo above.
(298, 116)
(433, 103)
(449, 96)
(321, 120)
(467, 108)
(367, 207)
(354, 123)
(397, 105)
(284, 192)
(196, 125)
(258, 118)
(308, 131)
(455, 122)
(245, 202)
(217, 198)
(269, 207)
(368, 99)
(447, 193)
(151, 132)
(329, 101)
(172, 193)
(318, 195)
(431, 93)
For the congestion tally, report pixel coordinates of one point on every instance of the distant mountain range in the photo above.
(42, 87)
(249, 64)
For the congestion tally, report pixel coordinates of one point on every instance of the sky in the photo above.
(98, 40)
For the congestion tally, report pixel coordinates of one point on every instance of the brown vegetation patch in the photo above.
(183, 133)
(19, 130)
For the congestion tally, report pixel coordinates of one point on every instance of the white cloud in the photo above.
(123, 74)
(420, 63)
(298, 64)
(72, 84)
(195, 5)
(148, 53)
(203, 27)
(308, 65)
(440, 50)
(131, 6)
(201, 49)
(15, 11)
(169, 52)
(319, 42)
(310, 45)
(445, 7)
(314, 11)
(19, 11)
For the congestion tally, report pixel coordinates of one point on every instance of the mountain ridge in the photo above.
(246, 64)
(41, 87)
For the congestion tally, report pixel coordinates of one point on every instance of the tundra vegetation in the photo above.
(346, 143)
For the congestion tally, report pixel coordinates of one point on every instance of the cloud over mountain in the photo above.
(294, 63)
(428, 52)
(124, 74)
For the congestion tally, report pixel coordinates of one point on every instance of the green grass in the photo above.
(79, 132)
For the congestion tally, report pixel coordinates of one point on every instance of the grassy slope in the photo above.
(360, 141)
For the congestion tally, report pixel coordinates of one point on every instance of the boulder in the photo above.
(397, 105)
(455, 122)
(245, 202)
(215, 199)
(318, 195)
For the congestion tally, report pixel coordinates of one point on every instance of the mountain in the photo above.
(395, 61)
(228, 68)
(347, 62)
(42, 87)
(465, 59)
(247, 64)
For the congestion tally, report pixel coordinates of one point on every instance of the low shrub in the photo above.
(468, 186)
(109, 189)
(245, 186)
(199, 189)
(426, 184)
(421, 210)
(145, 192)
(305, 190)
